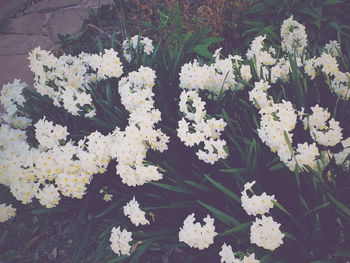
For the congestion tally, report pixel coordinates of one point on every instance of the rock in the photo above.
(15, 67)
(50, 5)
(30, 24)
(58, 24)
(10, 8)
(22, 44)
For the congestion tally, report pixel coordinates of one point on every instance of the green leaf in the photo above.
(202, 50)
(174, 188)
(211, 40)
(110, 208)
(223, 217)
(109, 94)
(315, 209)
(289, 236)
(279, 206)
(236, 172)
(172, 205)
(198, 186)
(99, 45)
(113, 40)
(277, 167)
(48, 210)
(100, 250)
(150, 234)
(339, 205)
(239, 228)
(223, 189)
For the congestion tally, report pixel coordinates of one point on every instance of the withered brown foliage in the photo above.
(223, 17)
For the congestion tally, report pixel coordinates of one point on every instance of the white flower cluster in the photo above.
(246, 73)
(56, 167)
(261, 55)
(328, 64)
(267, 65)
(195, 235)
(257, 204)
(338, 81)
(265, 233)
(323, 134)
(333, 48)
(106, 65)
(66, 80)
(293, 36)
(6, 212)
(215, 78)
(277, 122)
(120, 241)
(259, 96)
(136, 90)
(340, 85)
(227, 256)
(131, 145)
(130, 46)
(196, 128)
(48, 134)
(342, 158)
(136, 215)
(11, 98)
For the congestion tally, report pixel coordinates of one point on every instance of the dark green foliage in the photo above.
(324, 20)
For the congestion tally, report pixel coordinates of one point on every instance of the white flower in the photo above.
(48, 196)
(136, 215)
(6, 212)
(195, 235)
(107, 197)
(110, 65)
(293, 36)
(310, 68)
(259, 96)
(246, 73)
(275, 120)
(198, 128)
(333, 48)
(250, 259)
(256, 205)
(131, 45)
(11, 96)
(192, 106)
(323, 134)
(265, 233)
(342, 158)
(340, 85)
(261, 56)
(328, 63)
(48, 134)
(227, 255)
(216, 78)
(120, 241)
